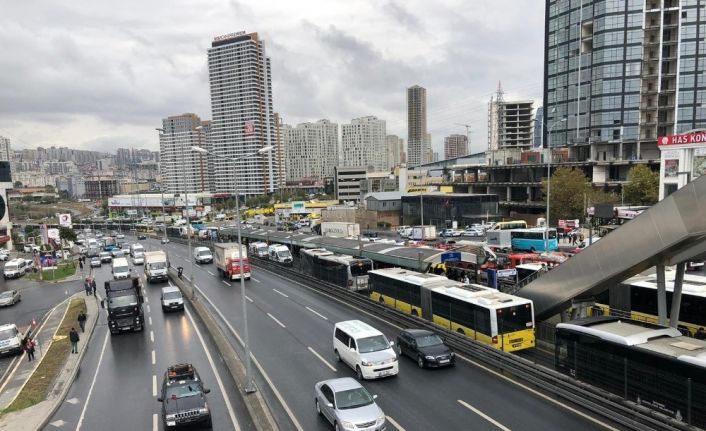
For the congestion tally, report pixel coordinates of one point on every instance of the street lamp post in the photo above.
(549, 180)
(250, 384)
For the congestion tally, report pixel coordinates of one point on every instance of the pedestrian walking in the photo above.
(29, 345)
(87, 286)
(82, 321)
(466, 280)
(73, 336)
(93, 286)
(80, 264)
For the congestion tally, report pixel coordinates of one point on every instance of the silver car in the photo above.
(10, 297)
(348, 406)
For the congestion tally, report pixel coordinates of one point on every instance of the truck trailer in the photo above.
(227, 259)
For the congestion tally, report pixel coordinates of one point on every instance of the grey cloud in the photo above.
(403, 16)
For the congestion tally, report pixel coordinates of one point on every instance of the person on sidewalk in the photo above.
(29, 345)
(93, 286)
(87, 286)
(80, 264)
(73, 337)
(82, 321)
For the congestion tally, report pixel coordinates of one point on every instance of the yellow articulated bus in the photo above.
(479, 312)
(636, 297)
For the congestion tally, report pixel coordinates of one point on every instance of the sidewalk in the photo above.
(36, 416)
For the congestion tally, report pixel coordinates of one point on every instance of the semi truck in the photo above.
(340, 229)
(156, 266)
(420, 233)
(227, 259)
(123, 299)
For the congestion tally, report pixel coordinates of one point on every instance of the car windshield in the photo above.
(11, 267)
(171, 295)
(5, 295)
(158, 265)
(122, 301)
(429, 340)
(353, 398)
(205, 253)
(373, 344)
(183, 391)
(7, 333)
(120, 269)
(283, 254)
(139, 255)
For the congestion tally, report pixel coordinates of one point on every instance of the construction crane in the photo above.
(468, 135)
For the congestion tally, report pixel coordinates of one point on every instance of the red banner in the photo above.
(685, 139)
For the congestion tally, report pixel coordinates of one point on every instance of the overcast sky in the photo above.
(101, 75)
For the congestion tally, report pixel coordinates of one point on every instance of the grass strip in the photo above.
(52, 361)
(61, 272)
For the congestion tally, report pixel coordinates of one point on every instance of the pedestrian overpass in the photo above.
(671, 232)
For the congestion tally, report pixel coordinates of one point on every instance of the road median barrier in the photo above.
(254, 402)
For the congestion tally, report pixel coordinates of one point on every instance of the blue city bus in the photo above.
(110, 244)
(533, 239)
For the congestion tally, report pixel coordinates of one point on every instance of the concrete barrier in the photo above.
(254, 402)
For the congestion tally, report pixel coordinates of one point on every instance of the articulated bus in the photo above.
(507, 225)
(482, 313)
(340, 269)
(637, 297)
(533, 239)
(650, 365)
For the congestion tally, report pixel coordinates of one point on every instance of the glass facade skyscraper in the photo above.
(620, 73)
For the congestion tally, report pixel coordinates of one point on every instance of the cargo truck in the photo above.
(156, 266)
(421, 233)
(340, 229)
(227, 259)
(123, 299)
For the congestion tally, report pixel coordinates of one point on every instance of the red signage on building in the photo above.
(249, 129)
(685, 139)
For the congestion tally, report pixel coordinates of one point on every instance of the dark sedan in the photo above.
(141, 236)
(427, 348)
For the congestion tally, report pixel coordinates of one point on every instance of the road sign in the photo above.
(507, 272)
(65, 220)
(452, 256)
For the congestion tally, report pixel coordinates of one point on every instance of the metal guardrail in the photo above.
(610, 406)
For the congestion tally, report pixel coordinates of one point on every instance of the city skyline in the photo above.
(104, 98)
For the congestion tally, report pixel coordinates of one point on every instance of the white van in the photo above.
(121, 268)
(365, 349)
(171, 298)
(280, 253)
(10, 339)
(15, 268)
(220, 217)
(258, 249)
(136, 248)
(203, 255)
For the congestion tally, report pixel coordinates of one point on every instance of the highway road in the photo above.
(121, 375)
(291, 338)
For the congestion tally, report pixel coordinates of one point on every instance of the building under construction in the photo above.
(510, 123)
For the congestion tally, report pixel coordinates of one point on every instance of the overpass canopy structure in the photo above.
(416, 258)
(672, 231)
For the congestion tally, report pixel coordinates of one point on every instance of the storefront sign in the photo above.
(684, 139)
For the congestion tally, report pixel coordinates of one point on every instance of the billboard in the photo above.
(683, 139)
(249, 128)
(298, 207)
(65, 220)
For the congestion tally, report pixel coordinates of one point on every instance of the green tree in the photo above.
(67, 234)
(569, 190)
(643, 186)
(18, 184)
(49, 188)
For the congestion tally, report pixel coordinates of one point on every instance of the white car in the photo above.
(9, 297)
(120, 236)
(138, 259)
(4, 255)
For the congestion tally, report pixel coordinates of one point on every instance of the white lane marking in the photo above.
(93, 383)
(211, 273)
(233, 419)
(148, 309)
(395, 424)
(155, 422)
(254, 279)
(225, 282)
(248, 298)
(9, 368)
(539, 394)
(154, 357)
(149, 319)
(281, 293)
(322, 359)
(272, 386)
(147, 299)
(152, 336)
(275, 319)
(317, 313)
(154, 385)
(483, 415)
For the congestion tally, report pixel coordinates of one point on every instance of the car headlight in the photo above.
(429, 358)
(366, 363)
(348, 425)
(380, 420)
(204, 409)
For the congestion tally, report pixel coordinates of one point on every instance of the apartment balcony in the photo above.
(648, 107)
